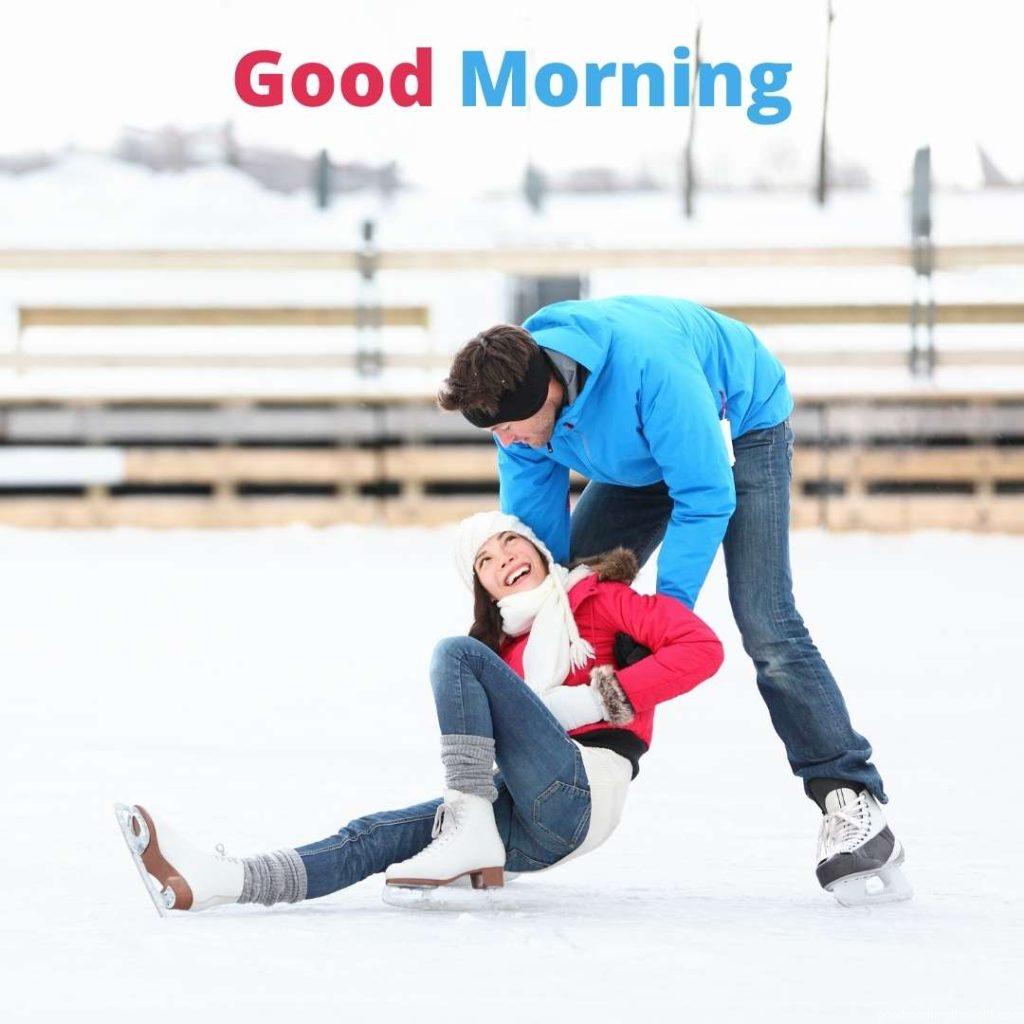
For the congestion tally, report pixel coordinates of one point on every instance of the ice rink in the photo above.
(262, 688)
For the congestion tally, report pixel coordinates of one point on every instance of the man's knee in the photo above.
(769, 634)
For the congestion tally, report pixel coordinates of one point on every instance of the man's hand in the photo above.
(628, 651)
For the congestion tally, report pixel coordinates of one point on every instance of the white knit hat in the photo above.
(475, 530)
(555, 645)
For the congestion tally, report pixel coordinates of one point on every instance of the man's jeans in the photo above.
(543, 805)
(803, 699)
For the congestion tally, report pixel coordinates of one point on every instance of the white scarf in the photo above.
(555, 646)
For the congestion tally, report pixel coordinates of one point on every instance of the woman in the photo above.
(531, 688)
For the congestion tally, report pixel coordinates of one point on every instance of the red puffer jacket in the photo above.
(684, 650)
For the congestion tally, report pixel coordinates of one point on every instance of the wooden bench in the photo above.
(771, 314)
(760, 315)
(205, 316)
(851, 503)
(222, 316)
(531, 260)
(338, 468)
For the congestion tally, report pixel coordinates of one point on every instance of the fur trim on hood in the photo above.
(616, 566)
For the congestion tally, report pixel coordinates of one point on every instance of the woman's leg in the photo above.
(365, 847)
(487, 713)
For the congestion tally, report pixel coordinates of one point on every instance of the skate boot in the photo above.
(465, 843)
(177, 875)
(859, 858)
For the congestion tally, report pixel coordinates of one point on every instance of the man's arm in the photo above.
(680, 422)
(684, 649)
(536, 489)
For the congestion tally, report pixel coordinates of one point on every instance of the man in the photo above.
(679, 418)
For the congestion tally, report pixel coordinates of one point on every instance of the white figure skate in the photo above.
(465, 844)
(177, 875)
(859, 858)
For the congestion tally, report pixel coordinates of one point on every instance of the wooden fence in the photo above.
(23, 359)
(920, 457)
(892, 462)
(506, 260)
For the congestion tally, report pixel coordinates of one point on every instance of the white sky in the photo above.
(903, 73)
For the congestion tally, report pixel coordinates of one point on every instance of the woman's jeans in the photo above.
(543, 805)
(803, 699)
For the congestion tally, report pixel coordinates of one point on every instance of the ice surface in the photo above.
(262, 688)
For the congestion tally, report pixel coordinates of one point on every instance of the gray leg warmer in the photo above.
(278, 877)
(469, 765)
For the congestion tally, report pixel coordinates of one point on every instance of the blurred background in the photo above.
(216, 315)
(221, 317)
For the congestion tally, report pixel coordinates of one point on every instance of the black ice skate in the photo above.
(859, 858)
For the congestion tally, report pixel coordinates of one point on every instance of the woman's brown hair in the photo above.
(486, 618)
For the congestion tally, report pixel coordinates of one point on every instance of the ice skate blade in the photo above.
(481, 878)
(458, 897)
(136, 837)
(166, 888)
(870, 888)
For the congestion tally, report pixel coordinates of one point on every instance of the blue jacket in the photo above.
(660, 371)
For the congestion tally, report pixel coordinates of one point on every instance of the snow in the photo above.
(261, 688)
(95, 202)
(54, 466)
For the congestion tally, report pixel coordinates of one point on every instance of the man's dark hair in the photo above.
(486, 368)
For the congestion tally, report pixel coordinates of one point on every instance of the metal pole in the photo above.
(688, 184)
(322, 182)
(923, 256)
(822, 190)
(369, 357)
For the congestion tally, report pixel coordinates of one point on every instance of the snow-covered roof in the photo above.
(95, 202)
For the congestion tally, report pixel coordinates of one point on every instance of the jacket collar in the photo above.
(567, 328)
(584, 589)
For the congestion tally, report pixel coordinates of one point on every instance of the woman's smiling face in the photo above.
(509, 564)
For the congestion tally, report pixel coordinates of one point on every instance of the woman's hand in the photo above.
(603, 700)
(618, 708)
(574, 706)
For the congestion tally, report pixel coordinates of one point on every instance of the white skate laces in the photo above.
(843, 830)
(222, 854)
(439, 818)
